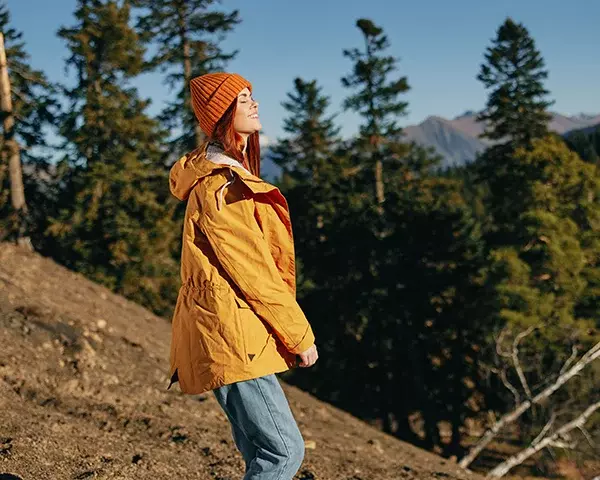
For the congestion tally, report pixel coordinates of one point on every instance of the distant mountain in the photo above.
(458, 142)
(584, 130)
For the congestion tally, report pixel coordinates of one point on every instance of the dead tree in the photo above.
(11, 150)
(560, 438)
(569, 370)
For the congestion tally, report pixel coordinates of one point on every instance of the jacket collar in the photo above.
(203, 161)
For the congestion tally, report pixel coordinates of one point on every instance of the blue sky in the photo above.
(440, 45)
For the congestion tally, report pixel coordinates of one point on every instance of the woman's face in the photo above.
(246, 120)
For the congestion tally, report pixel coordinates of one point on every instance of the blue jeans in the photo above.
(263, 428)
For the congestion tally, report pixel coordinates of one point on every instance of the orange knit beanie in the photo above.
(212, 95)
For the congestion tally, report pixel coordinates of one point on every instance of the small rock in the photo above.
(307, 475)
(101, 324)
(97, 338)
(310, 444)
(5, 445)
(376, 444)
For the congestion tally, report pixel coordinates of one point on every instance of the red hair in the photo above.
(232, 142)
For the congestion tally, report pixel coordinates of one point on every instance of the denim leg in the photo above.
(242, 442)
(265, 427)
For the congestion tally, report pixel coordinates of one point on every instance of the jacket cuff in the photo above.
(305, 343)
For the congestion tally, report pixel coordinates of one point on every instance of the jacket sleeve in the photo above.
(227, 219)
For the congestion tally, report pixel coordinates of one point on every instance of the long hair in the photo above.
(232, 142)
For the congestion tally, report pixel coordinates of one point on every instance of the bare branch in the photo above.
(562, 444)
(499, 344)
(587, 436)
(569, 360)
(591, 355)
(505, 381)
(517, 363)
(547, 427)
(554, 440)
(509, 385)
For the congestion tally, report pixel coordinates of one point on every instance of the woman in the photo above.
(236, 322)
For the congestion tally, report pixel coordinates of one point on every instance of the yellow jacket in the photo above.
(236, 316)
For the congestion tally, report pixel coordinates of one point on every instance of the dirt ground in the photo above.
(83, 395)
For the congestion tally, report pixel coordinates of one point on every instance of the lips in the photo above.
(253, 116)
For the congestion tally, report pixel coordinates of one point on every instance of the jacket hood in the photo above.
(193, 167)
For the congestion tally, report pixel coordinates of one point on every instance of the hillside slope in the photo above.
(83, 395)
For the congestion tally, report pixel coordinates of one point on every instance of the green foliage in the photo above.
(377, 97)
(516, 111)
(112, 215)
(543, 262)
(306, 152)
(552, 224)
(393, 311)
(586, 145)
(407, 292)
(376, 100)
(187, 36)
(35, 107)
(34, 97)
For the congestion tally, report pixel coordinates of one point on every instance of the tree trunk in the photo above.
(379, 181)
(17, 192)
(375, 134)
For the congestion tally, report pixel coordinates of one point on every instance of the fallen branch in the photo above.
(558, 439)
(591, 355)
(517, 363)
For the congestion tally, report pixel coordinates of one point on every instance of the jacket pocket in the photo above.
(215, 330)
(255, 333)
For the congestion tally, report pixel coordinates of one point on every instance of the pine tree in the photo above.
(314, 183)
(542, 265)
(516, 110)
(586, 144)
(325, 206)
(187, 35)
(376, 99)
(410, 312)
(545, 274)
(313, 135)
(112, 220)
(541, 200)
(34, 107)
(311, 167)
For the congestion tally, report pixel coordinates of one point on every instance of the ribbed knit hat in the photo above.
(212, 94)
